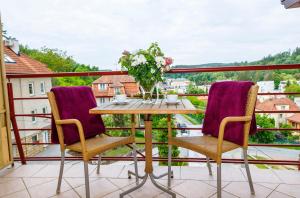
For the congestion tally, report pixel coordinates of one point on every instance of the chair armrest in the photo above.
(223, 124)
(79, 127)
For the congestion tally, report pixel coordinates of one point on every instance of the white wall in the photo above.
(21, 89)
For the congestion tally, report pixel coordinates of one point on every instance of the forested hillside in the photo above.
(59, 61)
(287, 57)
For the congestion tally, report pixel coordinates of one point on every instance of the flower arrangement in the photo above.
(146, 66)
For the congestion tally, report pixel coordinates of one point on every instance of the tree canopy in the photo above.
(59, 61)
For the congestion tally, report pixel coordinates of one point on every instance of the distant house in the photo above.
(179, 85)
(269, 87)
(107, 86)
(294, 120)
(278, 104)
(18, 63)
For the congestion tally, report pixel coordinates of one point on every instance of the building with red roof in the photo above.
(19, 63)
(107, 86)
(275, 104)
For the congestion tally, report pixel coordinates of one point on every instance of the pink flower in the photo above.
(168, 61)
(125, 52)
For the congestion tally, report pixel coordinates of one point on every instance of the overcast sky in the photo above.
(96, 32)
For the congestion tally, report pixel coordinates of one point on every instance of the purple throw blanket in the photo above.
(228, 99)
(75, 103)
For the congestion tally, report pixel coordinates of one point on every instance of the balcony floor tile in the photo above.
(40, 180)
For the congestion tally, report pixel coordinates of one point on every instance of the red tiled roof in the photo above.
(23, 64)
(126, 84)
(270, 105)
(294, 118)
(115, 80)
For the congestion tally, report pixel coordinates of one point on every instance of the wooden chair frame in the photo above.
(218, 142)
(85, 144)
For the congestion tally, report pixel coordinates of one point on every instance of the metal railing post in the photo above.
(14, 122)
(299, 163)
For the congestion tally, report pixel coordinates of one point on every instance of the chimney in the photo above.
(13, 44)
(290, 3)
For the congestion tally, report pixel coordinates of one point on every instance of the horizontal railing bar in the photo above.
(236, 68)
(251, 161)
(49, 114)
(162, 143)
(38, 98)
(175, 70)
(39, 115)
(159, 128)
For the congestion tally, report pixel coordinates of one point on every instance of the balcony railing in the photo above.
(23, 158)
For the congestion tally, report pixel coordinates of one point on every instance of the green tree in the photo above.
(276, 78)
(192, 89)
(264, 136)
(58, 61)
(160, 121)
(292, 87)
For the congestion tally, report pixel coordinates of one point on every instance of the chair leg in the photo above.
(219, 183)
(208, 165)
(135, 164)
(99, 162)
(61, 170)
(86, 176)
(169, 165)
(248, 171)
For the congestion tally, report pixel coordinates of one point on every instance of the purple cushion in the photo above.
(228, 99)
(75, 103)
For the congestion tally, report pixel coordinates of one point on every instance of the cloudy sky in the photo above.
(96, 32)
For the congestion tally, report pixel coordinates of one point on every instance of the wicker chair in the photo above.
(87, 147)
(214, 147)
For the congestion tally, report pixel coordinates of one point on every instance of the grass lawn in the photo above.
(290, 147)
(262, 166)
(192, 120)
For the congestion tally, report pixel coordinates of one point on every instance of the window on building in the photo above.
(280, 115)
(8, 59)
(33, 119)
(35, 138)
(31, 88)
(42, 86)
(102, 100)
(282, 107)
(44, 110)
(117, 90)
(102, 86)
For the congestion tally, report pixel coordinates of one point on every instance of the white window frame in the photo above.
(33, 119)
(102, 86)
(32, 87)
(42, 87)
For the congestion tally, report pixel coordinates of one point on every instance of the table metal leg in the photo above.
(148, 165)
(135, 187)
(161, 187)
(162, 175)
(132, 173)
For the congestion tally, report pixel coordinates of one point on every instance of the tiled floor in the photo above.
(39, 181)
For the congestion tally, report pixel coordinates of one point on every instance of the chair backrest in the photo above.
(56, 116)
(250, 107)
(74, 103)
(227, 99)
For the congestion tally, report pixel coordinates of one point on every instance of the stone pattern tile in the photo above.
(40, 180)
